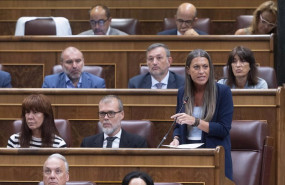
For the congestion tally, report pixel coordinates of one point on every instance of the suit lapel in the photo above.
(85, 81)
(124, 143)
(171, 81)
(147, 81)
(98, 142)
(61, 82)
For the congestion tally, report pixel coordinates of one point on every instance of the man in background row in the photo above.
(5, 79)
(100, 20)
(72, 62)
(158, 60)
(185, 18)
(55, 170)
(111, 113)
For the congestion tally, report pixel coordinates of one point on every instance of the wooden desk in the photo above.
(109, 166)
(80, 107)
(150, 13)
(120, 56)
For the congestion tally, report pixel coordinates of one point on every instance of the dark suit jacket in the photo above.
(5, 79)
(144, 81)
(174, 32)
(88, 81)
(219, 126)
(127, 140)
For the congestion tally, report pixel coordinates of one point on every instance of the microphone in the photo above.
(164, 138)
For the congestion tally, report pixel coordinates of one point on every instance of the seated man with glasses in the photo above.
(185, 18)
(111, 113)
(100, 20)
(55, 170)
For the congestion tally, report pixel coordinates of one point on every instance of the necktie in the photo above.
(159, 85)
(110, 141)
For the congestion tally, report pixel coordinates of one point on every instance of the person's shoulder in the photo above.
(88, 32)
(115, 31)
(4, 74)
(223, 88)
(222, 81)
(242, 31)
(168, 32)
(139, 77)
(93, 77)
(132, 136)
(54, 76)
(261, 84)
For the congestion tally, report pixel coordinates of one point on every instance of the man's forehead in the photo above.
(156, 52)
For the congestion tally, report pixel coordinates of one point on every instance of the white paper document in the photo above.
(185, 146)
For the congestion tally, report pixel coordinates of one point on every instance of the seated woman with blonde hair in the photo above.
(38, 127)
(264, 20)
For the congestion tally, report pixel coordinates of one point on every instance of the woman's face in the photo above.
(267, 22)
(34, 120)
(137, 181)
(240, 67)
(199, 70)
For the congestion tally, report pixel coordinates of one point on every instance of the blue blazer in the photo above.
(88, 81)
(5, 79)
(174, 32)
(219, 126)
(127, 140)
(144, 81)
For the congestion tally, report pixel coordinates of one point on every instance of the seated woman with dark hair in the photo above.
(242, 71)
(264, 20)
(137, 178)
(38, 127)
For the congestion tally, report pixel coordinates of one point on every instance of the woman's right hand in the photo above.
(175, 142)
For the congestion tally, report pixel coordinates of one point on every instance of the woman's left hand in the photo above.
(182, 118)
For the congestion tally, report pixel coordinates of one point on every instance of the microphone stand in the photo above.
(170, 128)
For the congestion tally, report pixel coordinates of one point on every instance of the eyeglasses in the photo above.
(100, 22)
(110, 114)
(269, 24)
(187, 22)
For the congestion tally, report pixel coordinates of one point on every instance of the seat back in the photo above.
(127, 25)
(62, 126)
(202, 24)
(180, 70)
(42, 26)
(251, 152)
(264, 72)
(95, 70)
(142, 128)
(243, 21)
(74, 183)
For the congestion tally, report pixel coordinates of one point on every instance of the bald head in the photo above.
(186, 16)
(72, 62)
(187, 9)
(100, 19)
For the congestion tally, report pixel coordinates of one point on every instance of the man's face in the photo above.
(185, 19)
(73, 63)
(55, 172)
(98, 21)
(158, 63)
(110, 123)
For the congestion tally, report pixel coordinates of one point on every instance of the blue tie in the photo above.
(159, 85)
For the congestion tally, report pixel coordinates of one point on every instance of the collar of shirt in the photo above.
(116, 142)
(164, 81)
(108, 31)
(69, 84)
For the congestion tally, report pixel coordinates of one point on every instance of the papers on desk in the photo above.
(185, 146)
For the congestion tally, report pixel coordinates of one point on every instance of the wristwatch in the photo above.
(196, 123)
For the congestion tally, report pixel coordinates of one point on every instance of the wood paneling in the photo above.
(121, 56)
(80, 107)
(109, 166)
(150, 13)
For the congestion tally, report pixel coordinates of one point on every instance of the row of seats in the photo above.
(252, 148)
(60, 25)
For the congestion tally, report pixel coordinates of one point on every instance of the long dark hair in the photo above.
(246, 55)
(137, 174)
(39, 103)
